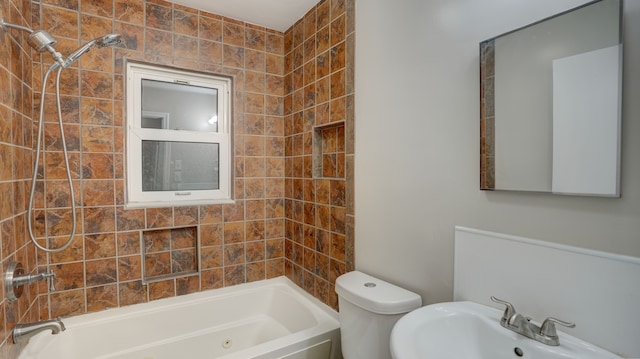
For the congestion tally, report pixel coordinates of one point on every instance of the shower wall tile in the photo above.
(284, 220)
(318, 85)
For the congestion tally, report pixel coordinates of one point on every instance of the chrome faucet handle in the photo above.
(51, 276)
(509, 310)
(548, 328)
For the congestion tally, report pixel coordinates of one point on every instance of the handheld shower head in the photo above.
(109, 40)
(106, 40)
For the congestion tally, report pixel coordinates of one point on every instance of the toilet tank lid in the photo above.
(376, 295)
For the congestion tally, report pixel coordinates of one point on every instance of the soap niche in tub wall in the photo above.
(329, 151)
(170, 253)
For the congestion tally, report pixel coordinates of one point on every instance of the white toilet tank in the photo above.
(369, 307)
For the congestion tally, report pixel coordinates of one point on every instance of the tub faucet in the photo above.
(23, 332)
(545, 334)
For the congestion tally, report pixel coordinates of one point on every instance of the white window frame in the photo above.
(135, 197)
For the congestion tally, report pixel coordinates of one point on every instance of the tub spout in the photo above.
(23, 332)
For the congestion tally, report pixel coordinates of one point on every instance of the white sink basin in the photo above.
(467, 330)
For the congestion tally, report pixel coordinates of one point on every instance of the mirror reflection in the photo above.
(550, 104)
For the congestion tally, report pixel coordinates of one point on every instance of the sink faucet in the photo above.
(23, 332)
(546, 333)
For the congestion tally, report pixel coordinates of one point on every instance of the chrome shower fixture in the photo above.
(40, 40)
(103, 41)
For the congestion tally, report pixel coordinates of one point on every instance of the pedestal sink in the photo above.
(467, 330)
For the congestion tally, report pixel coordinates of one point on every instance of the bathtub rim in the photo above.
(326, 327)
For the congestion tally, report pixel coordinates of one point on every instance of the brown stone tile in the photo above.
(233, 34)
(298, 33)
(275, 268)
(254, 39)
(185, 23)
(255, 230)
(60, 22)
(274, 146)
(158, 43)
(184, 260)
(233, 212)
(323, 266)
(157, 264)
(255, 60)
(338, 193)
(323, 13)
(56, 168)
(255, 251)
(60, 221)
(337, 269)
(101, 272)
(256, 271)
(162, 289)
(321, 290)
(234, 254)
(157, 241)
(128, 243)
(159, 217)
(158, 17)
(210, 29)
(211, 235)
(210, 52)
(75, 251)
(97, 139)
(234, 232)
(132, 293)
(185, 47)
(338, 30)
(129, 268)
(130, 219)
(96, 84)
(234, 275)
(210, 214)
(185, 215)
(131, 11)
(274, 208)
(323, 242)
(69, 276)
(338, 8)
(212, 279)
(69, 303)
(187, 285)
(100, 245)
(211, 257)
(182, 238)
(97, 112)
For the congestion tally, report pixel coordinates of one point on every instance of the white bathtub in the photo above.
(266, 319)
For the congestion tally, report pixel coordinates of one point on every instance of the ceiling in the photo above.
(274, 14)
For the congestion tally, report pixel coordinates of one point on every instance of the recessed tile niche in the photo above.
(170, 253)
(329, 151)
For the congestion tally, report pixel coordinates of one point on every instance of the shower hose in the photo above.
(36, 165)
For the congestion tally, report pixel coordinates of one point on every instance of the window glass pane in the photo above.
(180, 166)
(178, 106)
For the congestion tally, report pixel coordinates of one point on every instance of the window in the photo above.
(179, 148)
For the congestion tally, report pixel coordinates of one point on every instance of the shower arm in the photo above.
(14, 26)
(40, 40)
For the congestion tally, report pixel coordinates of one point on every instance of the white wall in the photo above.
(417, 143)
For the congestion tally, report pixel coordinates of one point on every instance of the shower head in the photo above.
(40, 40)
(106, 40)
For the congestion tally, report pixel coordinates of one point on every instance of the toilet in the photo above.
(369, 307)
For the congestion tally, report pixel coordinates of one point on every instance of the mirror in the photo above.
(550, 104)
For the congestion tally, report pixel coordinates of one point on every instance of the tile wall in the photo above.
(15, 166)
(286, 83)
(319, 107)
